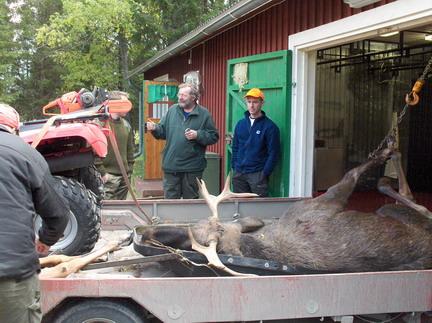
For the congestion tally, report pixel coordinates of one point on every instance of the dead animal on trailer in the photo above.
(318, 234)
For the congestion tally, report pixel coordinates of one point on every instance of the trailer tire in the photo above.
(83, 228)
(101, 311)
(92, 180)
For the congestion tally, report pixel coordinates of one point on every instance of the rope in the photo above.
(180, 255)
(113, 141)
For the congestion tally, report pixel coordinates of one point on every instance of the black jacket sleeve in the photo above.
(52, 208)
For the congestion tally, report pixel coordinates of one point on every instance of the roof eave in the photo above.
(202, 32)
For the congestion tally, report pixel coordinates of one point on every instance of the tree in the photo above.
(84, 43)
(90, 39)
(180, 17)
(8, 55)
(36, 74)
(148, 34)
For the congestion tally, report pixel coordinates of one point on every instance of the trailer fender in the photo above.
(97, 310)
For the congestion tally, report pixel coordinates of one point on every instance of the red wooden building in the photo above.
(325, 39)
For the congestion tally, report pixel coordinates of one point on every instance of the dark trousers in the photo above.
(250, 183)
(115, 187)
(178, 185)
(20, 300)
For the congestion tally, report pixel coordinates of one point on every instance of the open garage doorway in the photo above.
(395, 16)
(359, 92)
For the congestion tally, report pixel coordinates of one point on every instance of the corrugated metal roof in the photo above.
(214, 25)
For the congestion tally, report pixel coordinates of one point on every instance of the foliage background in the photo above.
(50, 47)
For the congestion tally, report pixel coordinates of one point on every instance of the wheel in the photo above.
(101, 311)
(92, 180)
(83, 228)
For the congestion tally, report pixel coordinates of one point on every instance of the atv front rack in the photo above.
(93, 113)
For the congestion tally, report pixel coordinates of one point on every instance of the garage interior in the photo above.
(360, 91)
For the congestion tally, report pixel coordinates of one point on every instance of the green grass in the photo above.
(137, 175)
(138, 170)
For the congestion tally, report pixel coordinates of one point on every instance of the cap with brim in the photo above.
(255, 93)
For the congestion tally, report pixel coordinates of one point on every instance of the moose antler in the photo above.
(54, 260)
(74, 264)
(213, 201)
(212, 256)
(214, 235)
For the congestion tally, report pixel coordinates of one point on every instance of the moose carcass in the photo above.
(319, 234)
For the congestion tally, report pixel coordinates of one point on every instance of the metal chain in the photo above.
(392, 133)
(426, 70)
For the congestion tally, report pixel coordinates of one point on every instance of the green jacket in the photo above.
(181, 154)
(125, 142)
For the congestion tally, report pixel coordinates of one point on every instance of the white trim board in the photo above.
(395, 16)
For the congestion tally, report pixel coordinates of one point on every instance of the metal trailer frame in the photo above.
(118, 215)
(216, 299)
(256, 298)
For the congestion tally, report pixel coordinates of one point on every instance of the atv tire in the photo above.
(92, 180)
(83, 228)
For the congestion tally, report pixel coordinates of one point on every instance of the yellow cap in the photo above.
(255, 93)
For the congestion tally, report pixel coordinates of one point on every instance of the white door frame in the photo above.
(395, 16)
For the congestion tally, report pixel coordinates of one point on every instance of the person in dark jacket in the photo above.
(188, 129)
(255, 148)
(26, 189)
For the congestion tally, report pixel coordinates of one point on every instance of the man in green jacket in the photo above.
(115, 187)
(188, 129)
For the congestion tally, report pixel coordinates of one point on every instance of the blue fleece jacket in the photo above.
(255, 148)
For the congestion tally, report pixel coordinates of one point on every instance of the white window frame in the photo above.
(395, 16)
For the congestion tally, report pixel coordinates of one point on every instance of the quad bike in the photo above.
(71, 140)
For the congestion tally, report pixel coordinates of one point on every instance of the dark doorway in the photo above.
(419, 171)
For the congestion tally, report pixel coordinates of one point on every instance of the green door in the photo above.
(271, 72)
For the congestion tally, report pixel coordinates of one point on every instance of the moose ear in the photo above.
(250, 224)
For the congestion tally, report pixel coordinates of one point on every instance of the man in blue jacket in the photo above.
(255, 149)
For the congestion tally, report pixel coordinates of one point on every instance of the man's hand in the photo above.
(151, 125)
(105, 177)
(191, 134)
(41, 248)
